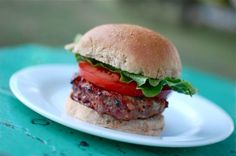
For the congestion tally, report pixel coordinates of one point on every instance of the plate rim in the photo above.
(54, 118)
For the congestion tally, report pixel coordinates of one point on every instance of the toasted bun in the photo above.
(131, 48)
(151, 126)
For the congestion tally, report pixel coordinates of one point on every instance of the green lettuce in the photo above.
(149, 86)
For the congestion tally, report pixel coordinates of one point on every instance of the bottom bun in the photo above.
(150, 126)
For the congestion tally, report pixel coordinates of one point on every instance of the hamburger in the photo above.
(126, 73)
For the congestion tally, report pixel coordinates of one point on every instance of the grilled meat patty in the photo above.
(121, 107)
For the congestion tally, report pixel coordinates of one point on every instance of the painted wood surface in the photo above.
(24, 132)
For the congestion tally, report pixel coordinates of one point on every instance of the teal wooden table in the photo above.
(24, 132)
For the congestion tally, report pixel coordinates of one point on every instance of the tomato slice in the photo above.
(108, 80)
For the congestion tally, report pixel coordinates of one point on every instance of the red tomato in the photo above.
(108, 80)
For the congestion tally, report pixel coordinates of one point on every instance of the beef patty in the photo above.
(121, 107)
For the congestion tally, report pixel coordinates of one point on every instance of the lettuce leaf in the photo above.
(149, 86)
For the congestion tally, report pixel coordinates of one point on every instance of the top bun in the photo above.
(131, 48)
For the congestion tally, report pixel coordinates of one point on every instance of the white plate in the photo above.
(189, 121)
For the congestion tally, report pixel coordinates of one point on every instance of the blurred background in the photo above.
(204, 31)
